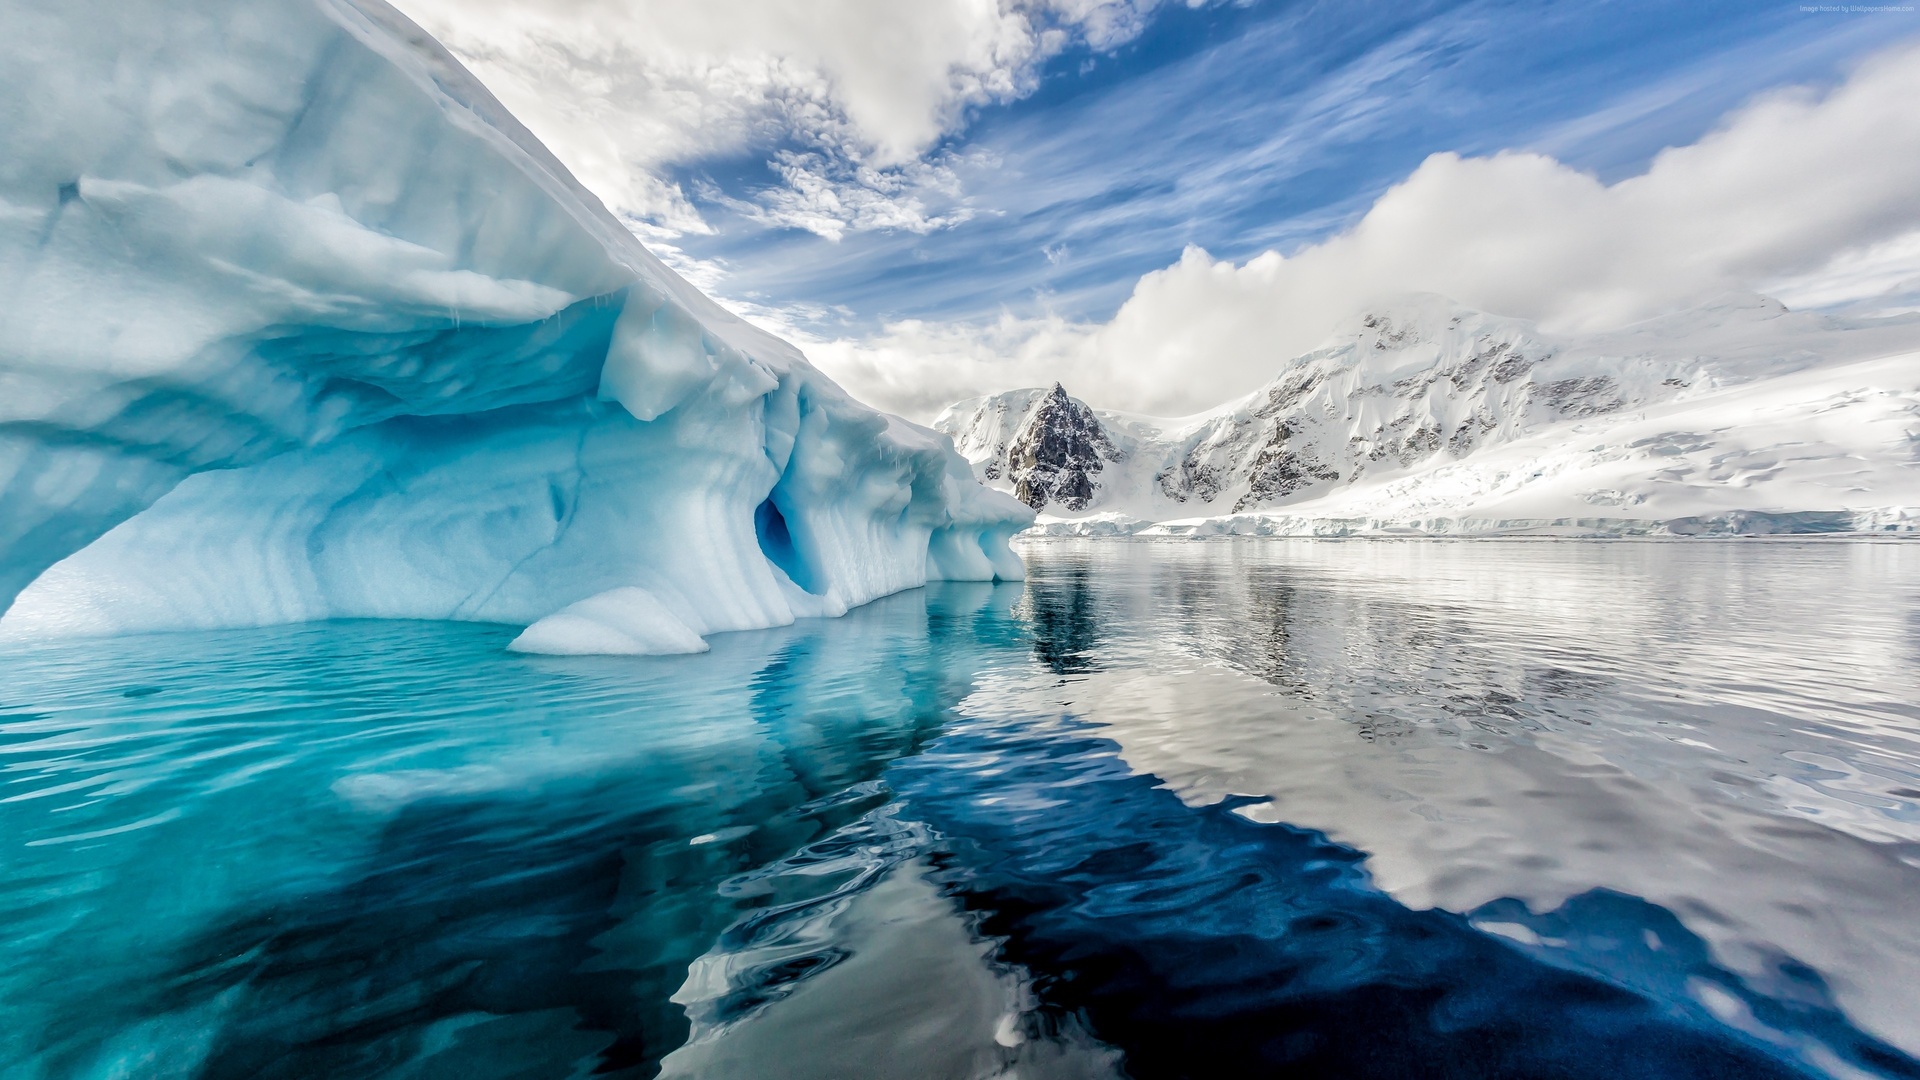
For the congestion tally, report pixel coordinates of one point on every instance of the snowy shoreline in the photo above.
(1892, 523)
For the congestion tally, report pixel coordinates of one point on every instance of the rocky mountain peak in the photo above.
(1057, 453)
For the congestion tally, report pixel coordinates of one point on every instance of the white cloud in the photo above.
(917, 368)
(623, 90)
(1878, 279)
(1813, 196)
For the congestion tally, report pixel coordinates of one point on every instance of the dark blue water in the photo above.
(1236, 809)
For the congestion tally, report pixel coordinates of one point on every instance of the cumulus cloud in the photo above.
(1812, 196)
(624, 90)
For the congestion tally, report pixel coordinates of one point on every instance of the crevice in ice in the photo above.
(68, 192)
(776, 542)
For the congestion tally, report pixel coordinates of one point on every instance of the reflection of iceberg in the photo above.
(871, 973)
(301, 324)
(511, 881)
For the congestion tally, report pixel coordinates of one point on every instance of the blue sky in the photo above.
(1268, 125)
(1160, 202)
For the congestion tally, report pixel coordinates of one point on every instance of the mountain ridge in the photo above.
(1422, 415)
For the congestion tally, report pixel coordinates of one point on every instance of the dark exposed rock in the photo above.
(1390, 336)
(1287, 394)
(1192, 479)
(1512, 368)
(1423, 442)
(1468, 434)
(1501, 356)
(1057, 453)
(1279, 471)
(1581, 397)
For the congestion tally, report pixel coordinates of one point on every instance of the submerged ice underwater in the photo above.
(1232, 809)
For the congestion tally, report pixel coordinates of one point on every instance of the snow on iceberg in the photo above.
(301, 324)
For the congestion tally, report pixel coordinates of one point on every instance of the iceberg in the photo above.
(302, 324)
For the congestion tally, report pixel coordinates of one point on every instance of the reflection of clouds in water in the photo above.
(1728, 644)
(1200, 943)
(1720, 728)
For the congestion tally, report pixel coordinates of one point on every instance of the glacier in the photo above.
(1423, 417)
(302, 324)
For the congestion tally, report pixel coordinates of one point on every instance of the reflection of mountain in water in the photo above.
(1502, 725)
(1064, 618)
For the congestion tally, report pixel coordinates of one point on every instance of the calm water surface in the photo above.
(1256, 808)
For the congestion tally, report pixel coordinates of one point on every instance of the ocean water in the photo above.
(1234, 809)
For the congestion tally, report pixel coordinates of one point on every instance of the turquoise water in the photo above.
(1189, 809)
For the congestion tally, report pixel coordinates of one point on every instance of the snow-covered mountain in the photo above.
(1423, 416)
(299, 323)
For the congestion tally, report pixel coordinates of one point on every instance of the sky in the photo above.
(1160, 202)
